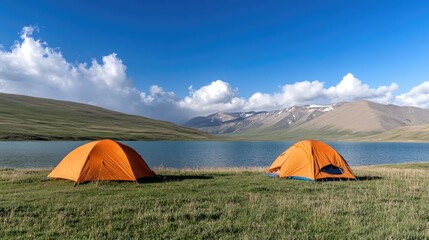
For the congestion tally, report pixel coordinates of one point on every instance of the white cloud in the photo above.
(348, 89)
(259, 101)
(418, 96)
(28, 31)
(351, 88)
(291, 94)
(215, 97)
(301, 93)
(33, 68)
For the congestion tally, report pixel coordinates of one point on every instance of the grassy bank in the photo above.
(388, 202)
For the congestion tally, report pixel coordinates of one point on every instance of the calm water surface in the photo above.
(184, 154)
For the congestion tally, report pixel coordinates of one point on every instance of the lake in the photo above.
(196, 154)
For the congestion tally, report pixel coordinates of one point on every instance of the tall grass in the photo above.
(388, 202)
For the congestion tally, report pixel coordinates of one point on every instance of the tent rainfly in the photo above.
(311, 160)
(102, 160)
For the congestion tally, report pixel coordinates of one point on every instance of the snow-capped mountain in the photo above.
(350, 121)
(237, 122)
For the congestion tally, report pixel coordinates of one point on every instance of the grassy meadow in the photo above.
(389, 202)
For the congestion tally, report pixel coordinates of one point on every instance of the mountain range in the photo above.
(31, 118)
(360, 121)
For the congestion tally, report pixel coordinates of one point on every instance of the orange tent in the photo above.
(311, 160)
(102, 160)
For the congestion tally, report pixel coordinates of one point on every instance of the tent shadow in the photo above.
(171, 178)
(368, 178)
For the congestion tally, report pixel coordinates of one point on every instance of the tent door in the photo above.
(331, 169)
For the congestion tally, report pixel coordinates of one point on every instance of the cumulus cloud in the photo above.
(291, 94)
(33, 68)
(418, 96)
(349, 88)
(217, 96)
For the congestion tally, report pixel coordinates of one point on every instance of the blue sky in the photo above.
(265, 54)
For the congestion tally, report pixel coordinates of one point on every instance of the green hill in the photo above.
(30, 118)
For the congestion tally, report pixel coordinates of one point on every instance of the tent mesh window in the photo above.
(331, 169)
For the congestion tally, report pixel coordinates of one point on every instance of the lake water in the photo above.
(189, 154)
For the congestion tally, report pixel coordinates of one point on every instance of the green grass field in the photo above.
(389, 202)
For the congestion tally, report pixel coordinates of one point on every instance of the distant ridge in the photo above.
(240, 122)
(416, 133)
(31, 118)
(355, 121)
(366, 116)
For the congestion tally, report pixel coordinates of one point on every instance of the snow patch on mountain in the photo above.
(235, 122)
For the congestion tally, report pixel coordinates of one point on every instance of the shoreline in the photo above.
(254, 169)
(220, 139)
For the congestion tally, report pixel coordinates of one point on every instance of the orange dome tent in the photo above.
(311, 160)
(102, 160)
